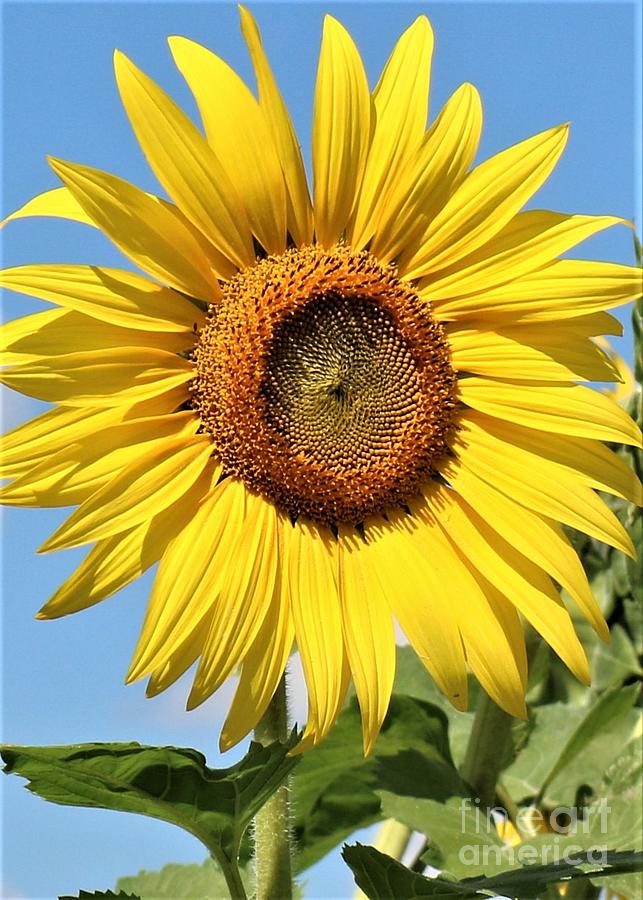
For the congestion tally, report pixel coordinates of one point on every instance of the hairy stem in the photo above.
(272, 822)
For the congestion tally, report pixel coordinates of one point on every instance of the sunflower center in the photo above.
(325, 384)
(340, 381)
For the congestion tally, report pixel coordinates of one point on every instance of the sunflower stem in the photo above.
(393, 838)
(273, 837)
(485, 754)
(232, 876)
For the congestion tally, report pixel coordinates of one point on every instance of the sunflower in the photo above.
(321, 416)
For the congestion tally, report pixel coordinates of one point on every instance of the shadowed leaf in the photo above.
(381, 877)
(336, 787)
(412, 678)
(87, 895)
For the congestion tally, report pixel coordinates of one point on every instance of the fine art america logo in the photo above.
(533, 836)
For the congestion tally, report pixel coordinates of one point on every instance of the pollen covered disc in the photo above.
(325, 384)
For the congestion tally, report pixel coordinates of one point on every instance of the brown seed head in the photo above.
(325, 384)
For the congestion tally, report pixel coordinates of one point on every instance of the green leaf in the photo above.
(531, 881)
(196, 881)
(634, 565)
(629, 886)
(622, 791)
(612, 665)
(86, 895)
(634, 620)
(617, 585)
(412, 679)
(540, 664)
(637, 319)
(620, 574)
(338, 791)
(612, 818)
(168, 783)
(583, 748)
(460, 834)
(178, 882)
(382, 878)
(638, 249)
(611, 714)
(335, 786)
(615, 662)
(523, 778)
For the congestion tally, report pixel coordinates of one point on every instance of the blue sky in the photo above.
(535, 64)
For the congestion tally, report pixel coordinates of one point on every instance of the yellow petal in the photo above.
(562, 290)
(176, 665)
(539, 539)
(72, 474)
(591, 325)
(562, 497)
(59, 203)
(146, 487)
(57, 428)
(512, 625)
(145, 229)
(529, 353)
(100, 377)
(116, 561)
(529, 241)
(263, 664)
(520, 580)
(110, 295)
(189, 578)
(588, 460)
(109, 566)
(439, 166)
(624, 392)
(562, 409)
(299, 208)
(244, 599)
(238, 132)
(15, 333)
(369, 637)
(58, 332)
(401, 101)
(62, 204)
(404, 544)
(48, 433)
(341, 131)
(485, 202)
(499, 673)
(316, 613)
(186, 166)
